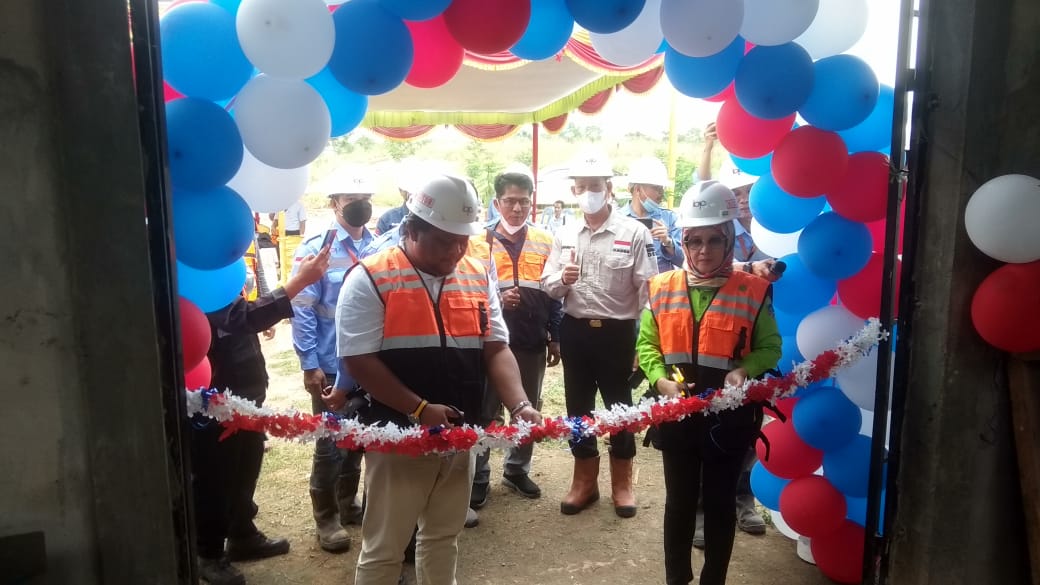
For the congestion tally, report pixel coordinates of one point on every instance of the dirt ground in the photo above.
(518, 541)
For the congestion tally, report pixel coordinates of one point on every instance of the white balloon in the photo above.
(636, 42)
(1001, 218)
(772, 243)
(780, 524)
(858, 382)
(824, 329)
(867, 427)
(701, 28)
(837, 26)
(775, 22)
(286, 39)
(284, 123)
(267, 189)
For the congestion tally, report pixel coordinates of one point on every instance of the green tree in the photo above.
(684, 168)
(482, 168)
(342, 145)
(365, 143)
(402, 149)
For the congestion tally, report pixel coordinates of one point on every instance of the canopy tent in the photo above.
(493, 96)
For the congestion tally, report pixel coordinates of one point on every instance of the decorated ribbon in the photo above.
(238, 414)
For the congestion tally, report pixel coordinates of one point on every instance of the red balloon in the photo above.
(789, 456)
(809, 162)
(786, 406)
(195, 334)
(438, 56)
(812, 506)
(1006, 308)
(487, 26)
(839, 556)
(747, 136)
(723, 95)
(862, 194)
(861, 292)
(199, 376)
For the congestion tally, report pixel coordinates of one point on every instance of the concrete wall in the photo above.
(83, 427)
(959, 519)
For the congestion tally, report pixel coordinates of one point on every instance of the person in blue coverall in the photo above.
(647, 179)
(335, 474)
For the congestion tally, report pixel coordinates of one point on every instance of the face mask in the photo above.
(511, 229)
(357, 213)
(592, 201)
(651, 207)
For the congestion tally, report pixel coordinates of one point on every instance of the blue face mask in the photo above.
(651, 207)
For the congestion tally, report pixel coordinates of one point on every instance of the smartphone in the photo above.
(649, 223)
(330, 237)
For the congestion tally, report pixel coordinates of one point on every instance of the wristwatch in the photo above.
(413, 417)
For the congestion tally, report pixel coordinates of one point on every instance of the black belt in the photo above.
(292, 232)
(600, 323)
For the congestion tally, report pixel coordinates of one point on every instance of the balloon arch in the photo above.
(256, 88)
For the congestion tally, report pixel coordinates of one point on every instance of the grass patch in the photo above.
(283, 363)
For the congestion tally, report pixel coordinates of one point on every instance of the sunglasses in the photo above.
(713, 243)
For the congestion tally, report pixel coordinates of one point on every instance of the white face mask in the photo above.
(592, 201)
(510, 228)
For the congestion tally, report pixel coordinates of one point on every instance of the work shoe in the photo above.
(584, 486)
(332, 537)
(748, 518)
(522, 485)
(220, 572)
(478, 496)
(621, 487)
(354, 514)
(257, 546)
(472, 519)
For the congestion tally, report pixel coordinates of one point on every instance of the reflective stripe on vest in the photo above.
(730, 316)
(411, 321)
(533, 255)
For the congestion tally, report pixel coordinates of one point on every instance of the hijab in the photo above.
(718, 276)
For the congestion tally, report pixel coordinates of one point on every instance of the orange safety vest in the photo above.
(436, 350)
(724, 331)
(526, 273)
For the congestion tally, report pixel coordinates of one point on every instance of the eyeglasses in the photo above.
(510, 203)
(713, 243)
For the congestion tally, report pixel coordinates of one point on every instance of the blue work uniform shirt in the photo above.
(665, 261)
(314, 308)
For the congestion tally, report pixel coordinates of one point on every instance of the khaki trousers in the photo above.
(429, 491)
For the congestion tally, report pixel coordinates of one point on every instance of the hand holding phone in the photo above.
(330, 237)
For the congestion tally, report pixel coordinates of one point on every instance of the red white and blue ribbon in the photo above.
(238, 414)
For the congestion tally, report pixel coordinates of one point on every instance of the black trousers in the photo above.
(598, 357)
(703, 456)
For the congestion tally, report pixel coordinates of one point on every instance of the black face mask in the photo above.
(357, 213)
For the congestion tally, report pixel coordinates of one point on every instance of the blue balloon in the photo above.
(416, 9)
(789, 354)
(786, 322)
(779, 211)
(800, 291)
(211, 290)
(773, 82)
(201, 54)
(753, 166)
(766, 486)
(374, 50)
(203, 144)
(834, 247)
(229, 5)
(211, 228)
(856, 510)
(702, 77)
(826, 419)
(874, 133)
(848, 467)
(548, 30)
(844, 93)
(346, 108)
(605, 16)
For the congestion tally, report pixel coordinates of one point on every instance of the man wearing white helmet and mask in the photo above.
(599, 268)
(419, 326)
(647, 179)
(707, 325)
(335, 473)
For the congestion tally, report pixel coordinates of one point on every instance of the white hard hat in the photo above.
(356, 183)
(449, 203)
(648, 171)
(591, 164)
(734, 178)
(519, 168)
(707, 203)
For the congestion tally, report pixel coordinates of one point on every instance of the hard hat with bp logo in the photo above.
(707, 203)
(449, 203)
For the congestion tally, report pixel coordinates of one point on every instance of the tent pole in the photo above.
(534, 171)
